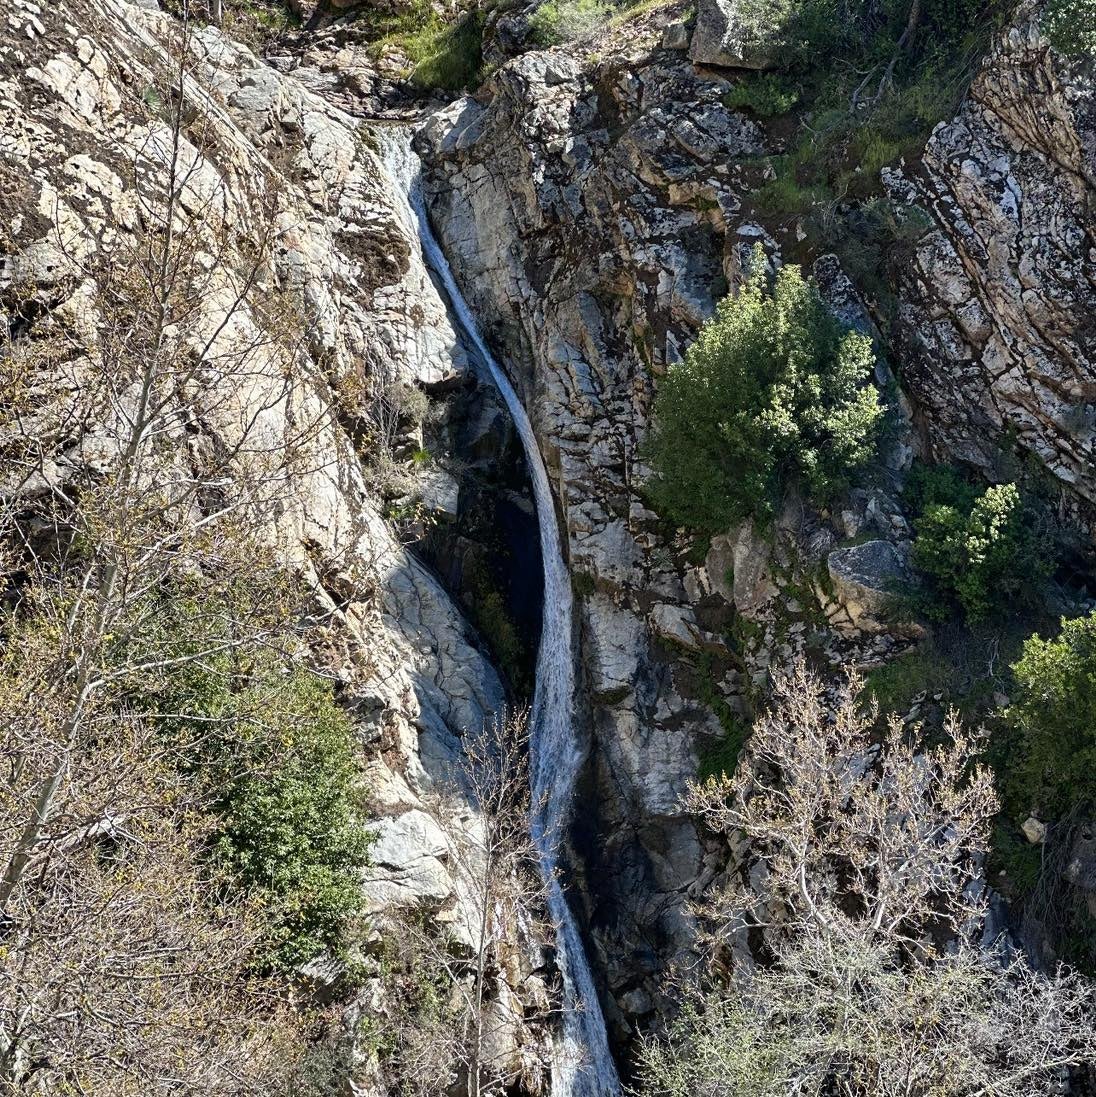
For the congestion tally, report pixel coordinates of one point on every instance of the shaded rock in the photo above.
(1080, 869)
(676, 37)
(440, 493)
(864, 578)
(739, 567)
(731, 34)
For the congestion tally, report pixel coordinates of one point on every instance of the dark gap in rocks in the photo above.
(485, 549)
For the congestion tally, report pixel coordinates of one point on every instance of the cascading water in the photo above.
(582, 1065)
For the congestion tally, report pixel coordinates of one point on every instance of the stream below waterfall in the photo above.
(582, 1065)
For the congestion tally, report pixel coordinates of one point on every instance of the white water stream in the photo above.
(582, 1065)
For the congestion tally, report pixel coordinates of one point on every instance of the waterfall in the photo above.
(582, 1065)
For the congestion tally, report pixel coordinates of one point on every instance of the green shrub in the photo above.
(279, 760)
(784, 196)
(452, 58)
(721, 759)
(1053, 712)
(773, 391)
(1013, 854)
(296, 835)
(986, 557)
(558, 21)
(492, 618)
(837, 153)
(813, 34)
(445, 55)
(894, 685)
(942, 485)
(765, 94)
(1070, 26)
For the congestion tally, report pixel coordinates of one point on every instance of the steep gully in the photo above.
(582, 1064)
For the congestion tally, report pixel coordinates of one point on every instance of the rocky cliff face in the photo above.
(592, 202)
(85, 95)
(589, 212)
(997, 334)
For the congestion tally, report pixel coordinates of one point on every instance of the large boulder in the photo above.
(864, 578)
(731, 34)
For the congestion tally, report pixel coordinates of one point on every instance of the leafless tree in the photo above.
(459, 1027)
(874, 979)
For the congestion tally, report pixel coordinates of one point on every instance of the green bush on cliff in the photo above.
(444, 53)
(276, 759)
(451, 57)
(1052, 768)
(558, 21)
(982, 551)
(765, 94)
(1070, 26)
(774, 391)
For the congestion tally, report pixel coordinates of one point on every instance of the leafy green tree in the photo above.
(773, 391)
(983, 552)
(1070, 26)
(1053, 712)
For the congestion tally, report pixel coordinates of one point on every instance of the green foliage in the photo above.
(452, 57)
(941, 485)
(279, 757)
(558, 21)
(633, 9)
(764, 94)
(491, 616)
(812, 34)
(1014, 855)
(583, 583)
(985, 555)
(894, 685)
(785, 195)
(1070, 26)
(443, 54)
(296, 836)
(1053, 766)
(842, 152)
(773, 391)
(721, 759)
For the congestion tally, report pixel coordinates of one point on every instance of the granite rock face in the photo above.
(997, 304)
(591, 211)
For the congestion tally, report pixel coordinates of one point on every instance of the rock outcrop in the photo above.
(594, 205)
(592, 209)
(996, 318)
(733, 34)
(590, 217)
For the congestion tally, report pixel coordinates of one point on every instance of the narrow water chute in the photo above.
(582, 1064)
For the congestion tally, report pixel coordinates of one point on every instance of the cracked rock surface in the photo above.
(998, 305)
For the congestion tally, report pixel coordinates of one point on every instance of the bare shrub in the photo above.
(455, 1024)
(875, 980)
